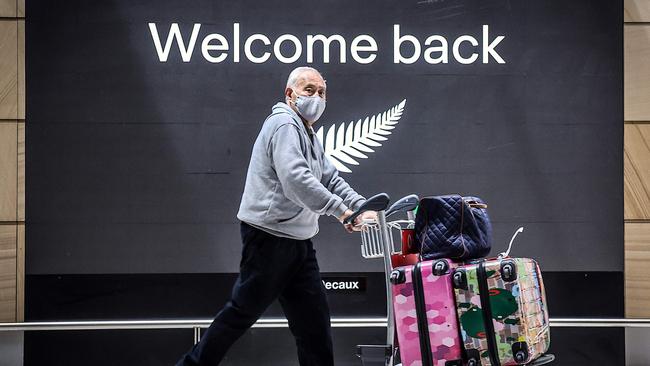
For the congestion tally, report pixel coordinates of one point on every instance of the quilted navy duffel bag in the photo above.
(453, 227)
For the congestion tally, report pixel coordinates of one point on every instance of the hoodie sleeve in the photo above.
(297, 180)
(338, 186)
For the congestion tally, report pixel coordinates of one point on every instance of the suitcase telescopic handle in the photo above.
(507, 252)
(378, 202)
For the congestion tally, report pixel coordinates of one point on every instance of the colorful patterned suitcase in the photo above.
(425, 314)
(501, 306)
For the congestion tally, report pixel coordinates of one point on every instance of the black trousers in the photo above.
(272, 268)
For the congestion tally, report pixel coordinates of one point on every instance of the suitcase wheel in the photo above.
(397, 277)
(520, 352)
(521, 356)
(454, 363)
(543, 360)
(440, 268)
(473, 357)
(460, 279)
(508, 271)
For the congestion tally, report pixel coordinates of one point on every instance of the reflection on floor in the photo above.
(637, 344)
(275, 347)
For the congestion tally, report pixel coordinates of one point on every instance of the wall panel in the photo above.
(21, 174)
(20, 273)
(637, 11)
(637, 171)
(8, 170)
(7, 273)
(8, 69)
(637, 271)
(637, 72)
(21, 69)
(8, 8)
(637, 158)
(10, 265)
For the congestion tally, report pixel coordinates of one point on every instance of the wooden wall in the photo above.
(12, 158)
(637, 158)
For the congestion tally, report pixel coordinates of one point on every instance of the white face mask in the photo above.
(310, 107)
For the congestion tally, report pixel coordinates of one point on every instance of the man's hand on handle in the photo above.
(356, 226)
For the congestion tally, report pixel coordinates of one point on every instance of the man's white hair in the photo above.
(295, 74)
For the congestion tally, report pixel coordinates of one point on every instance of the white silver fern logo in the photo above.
(344, 143)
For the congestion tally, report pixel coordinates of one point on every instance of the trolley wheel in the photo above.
(374, 355)
(543, 360)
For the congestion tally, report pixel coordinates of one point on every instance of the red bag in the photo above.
(409, 245)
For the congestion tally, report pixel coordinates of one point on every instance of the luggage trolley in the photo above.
(377, 242)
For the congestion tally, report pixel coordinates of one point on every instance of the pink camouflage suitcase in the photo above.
(425, 314)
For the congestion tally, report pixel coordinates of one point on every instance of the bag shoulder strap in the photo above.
(507, 252)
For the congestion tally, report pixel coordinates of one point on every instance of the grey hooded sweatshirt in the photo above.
(290, 182)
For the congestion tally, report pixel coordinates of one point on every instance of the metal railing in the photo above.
(282, 323)
(198, 324)
(176, 324)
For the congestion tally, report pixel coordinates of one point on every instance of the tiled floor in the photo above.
(572, 346)
(637, 346)
(11, 348)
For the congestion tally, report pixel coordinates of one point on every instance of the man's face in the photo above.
(309, 83)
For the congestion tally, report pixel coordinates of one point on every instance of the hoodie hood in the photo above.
(282, 107)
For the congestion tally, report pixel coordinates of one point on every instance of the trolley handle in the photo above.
(404, 204)
(378, 202)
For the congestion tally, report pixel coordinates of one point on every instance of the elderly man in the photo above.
(290, 183)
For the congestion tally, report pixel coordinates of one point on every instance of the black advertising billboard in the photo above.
(141, 121)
